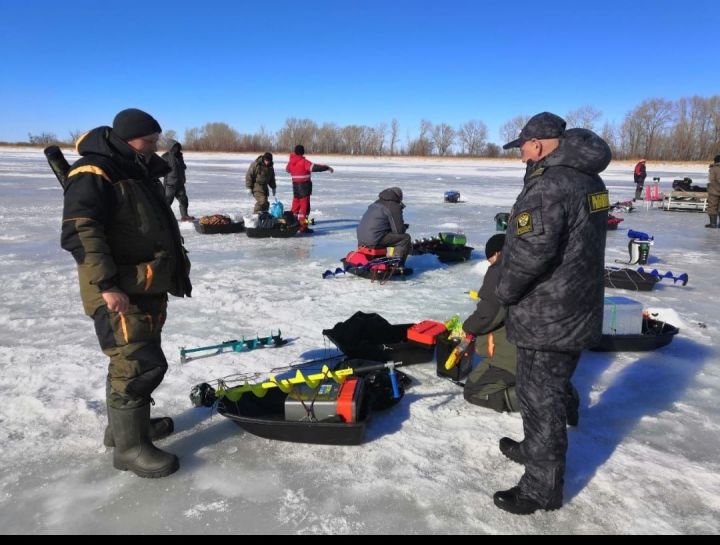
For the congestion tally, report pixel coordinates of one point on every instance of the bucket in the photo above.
(639, 251)
(501, 221)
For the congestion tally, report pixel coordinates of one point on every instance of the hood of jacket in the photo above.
(103, 141)
(393, 194)
(582, 150)
(174, 145)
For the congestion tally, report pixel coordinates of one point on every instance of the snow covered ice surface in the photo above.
(643, 460)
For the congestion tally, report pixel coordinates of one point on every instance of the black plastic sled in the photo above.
(372, 337)
(381, 275)
(270, 227)
(629, 279)
(655, 334)
(446, 253)
(267, 416)
(219, 228)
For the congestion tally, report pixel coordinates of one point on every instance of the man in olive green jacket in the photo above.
(127, 245)
(258, 178)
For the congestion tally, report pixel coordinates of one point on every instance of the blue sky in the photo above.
(72, 66)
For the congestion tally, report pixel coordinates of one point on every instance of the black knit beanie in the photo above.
(134, 123)
(267, 156)
(299, 149)
(494, 244)
(717, 158)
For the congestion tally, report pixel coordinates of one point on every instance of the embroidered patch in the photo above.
(599, 201)
(524, 223)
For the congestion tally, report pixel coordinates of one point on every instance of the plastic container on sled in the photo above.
(446, 253)
(445, 346)
(655, 334)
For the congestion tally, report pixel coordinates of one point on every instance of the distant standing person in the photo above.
(713, 190)
(174, 182)
(261, 176)
(299, 169)
(552, 283)
(639, 174)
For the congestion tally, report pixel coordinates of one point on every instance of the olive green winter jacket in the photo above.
(117, 225)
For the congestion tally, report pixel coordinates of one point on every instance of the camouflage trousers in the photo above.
(543, 389)
(712, 204)
(132, 342)
(261, 200)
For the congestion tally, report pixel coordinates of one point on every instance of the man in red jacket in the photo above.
(299, 169)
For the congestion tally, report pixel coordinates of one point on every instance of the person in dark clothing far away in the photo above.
(130, 255)
(383, 225)
(552, 283)
(261, 176)
(639, 175)
(299, 169)
(175, 180)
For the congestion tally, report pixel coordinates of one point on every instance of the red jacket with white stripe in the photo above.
(299, 169)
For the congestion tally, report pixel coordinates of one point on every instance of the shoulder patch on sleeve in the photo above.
(524, 223)
(599, 201)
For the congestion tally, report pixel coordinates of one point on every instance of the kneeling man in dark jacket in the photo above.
(383, 225)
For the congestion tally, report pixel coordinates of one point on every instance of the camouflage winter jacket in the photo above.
(259, 177)
(117, 225)
(174, 157)
(553, 258)
(714, 179)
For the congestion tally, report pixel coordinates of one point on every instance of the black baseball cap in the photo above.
(541, 126)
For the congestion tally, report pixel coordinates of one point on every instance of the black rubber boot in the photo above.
(133, 449)
(512, 450)
(572, 410)
(160, 428)
(713, 221)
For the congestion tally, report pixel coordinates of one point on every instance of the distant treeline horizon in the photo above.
(687, 129)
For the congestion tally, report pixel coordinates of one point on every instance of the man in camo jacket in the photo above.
(552, 283)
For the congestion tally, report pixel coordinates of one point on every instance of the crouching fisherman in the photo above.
(492, 383)
(127, 245)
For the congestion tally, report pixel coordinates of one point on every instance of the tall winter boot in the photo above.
(160, 428)
(713, 221)
(133, 449)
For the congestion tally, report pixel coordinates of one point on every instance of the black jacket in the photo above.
(553, 258)
(117, 224)
(383, 216)
(174, 158)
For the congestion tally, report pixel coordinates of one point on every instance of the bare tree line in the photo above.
(684, 130)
